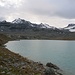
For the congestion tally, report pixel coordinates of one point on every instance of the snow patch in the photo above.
(46, 26)
(71, 27)
(72, 30)
(17, 21)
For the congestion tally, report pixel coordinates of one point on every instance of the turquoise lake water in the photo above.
(61, 53)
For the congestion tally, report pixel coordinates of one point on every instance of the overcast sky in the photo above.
(58, 13)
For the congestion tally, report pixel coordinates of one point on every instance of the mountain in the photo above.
(24, 22)
(17, 21)
(70, 27)
(22, 29)
(22, 25)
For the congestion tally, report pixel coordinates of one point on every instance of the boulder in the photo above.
(52, 66)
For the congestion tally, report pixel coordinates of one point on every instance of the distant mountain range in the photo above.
(23, 24)
(20, 28)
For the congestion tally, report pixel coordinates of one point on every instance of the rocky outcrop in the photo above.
(53, 69)
(52, 66)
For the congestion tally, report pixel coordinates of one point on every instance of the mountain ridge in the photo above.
(24, 24)
(22, 21)
(22, 29)
(70, 27)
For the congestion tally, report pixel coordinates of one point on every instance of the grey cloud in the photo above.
(61, 8)
(7, 9)
(2, 18)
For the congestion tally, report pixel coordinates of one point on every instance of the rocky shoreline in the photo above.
(15, 64)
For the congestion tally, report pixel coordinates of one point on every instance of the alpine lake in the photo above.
(59, 52)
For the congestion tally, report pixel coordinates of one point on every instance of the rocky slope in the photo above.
(3, 39)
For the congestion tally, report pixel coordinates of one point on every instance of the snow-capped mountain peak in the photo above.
(70, 27)
(42, 25)
(17, 21)
(28, 23)
(46, 26)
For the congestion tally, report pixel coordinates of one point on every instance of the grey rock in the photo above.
(49, 71)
